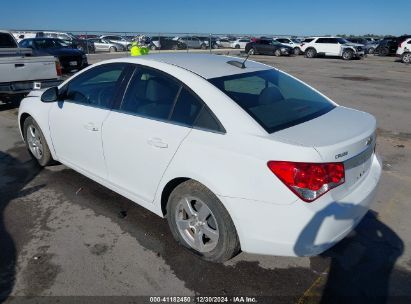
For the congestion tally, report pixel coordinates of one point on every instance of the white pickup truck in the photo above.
(20, 72)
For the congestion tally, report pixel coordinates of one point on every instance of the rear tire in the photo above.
(113, 49)
(252, 51)
(36, 143)
(384, 52)
(237, 46)
(297, 51)
(347, 55)
(310, 53)
(191, 225)
(277, 53)
(371, 51)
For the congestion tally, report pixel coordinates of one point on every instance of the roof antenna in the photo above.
(246, 58)
(239, 64)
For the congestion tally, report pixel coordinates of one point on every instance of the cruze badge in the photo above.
(341, 155)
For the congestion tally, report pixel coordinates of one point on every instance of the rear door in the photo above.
(141, 137)
(76, 121)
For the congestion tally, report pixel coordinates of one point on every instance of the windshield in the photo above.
(274, 99)
(49, 44)
(275, 42)
(296, 40)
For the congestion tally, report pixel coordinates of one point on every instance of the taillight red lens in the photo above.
(59, 70)
(308, 180)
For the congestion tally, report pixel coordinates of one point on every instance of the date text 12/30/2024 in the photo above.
(204, 299)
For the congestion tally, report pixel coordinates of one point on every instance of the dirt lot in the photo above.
(62, 234)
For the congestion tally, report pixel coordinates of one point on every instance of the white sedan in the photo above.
(235, 155)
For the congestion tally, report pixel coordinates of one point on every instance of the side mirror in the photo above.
(50, 95)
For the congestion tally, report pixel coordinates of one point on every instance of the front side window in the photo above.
(97, 86)
(274, 99)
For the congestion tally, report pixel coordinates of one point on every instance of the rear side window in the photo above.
(186, 108)
(274, 99)
(151, 94)
(207, 121)
(6, 41)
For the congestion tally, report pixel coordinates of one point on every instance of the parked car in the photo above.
(102, 45)
(268, 47)
(291, 42)
(70, 39)
(240, 43)
(118, 39)
(19, 69)
(332, 46)
(233, 154)
(387, 46)
(192, 42)
(215, 43)
(69, 58)
(225, 43)
(369, 46)
(404, 51)
(166, 43)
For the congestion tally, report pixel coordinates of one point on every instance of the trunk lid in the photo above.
(341, 135)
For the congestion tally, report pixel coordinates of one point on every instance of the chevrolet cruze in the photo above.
(236, 155)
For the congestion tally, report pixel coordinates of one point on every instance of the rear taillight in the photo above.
(308, 180)
(58, 68)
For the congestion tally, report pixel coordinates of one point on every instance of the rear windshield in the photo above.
(275, 100)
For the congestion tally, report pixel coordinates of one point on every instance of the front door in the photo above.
(76, 121)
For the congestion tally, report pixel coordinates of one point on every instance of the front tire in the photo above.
(237, 46)
(36, 143)
(310, 53)
(347, 55)
(113, 49)
(200, 222)
(371, 50)
(277, 53)
(297, 51)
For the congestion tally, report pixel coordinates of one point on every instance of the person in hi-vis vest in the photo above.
(137, 50)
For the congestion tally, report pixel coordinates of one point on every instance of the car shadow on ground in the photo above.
(8, 102)
(361, 265)
(358, 268)
(14, 176)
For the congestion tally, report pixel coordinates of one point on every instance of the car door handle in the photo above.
(91, 127)
(157, 142)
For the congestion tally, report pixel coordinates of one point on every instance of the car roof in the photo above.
(205, 65)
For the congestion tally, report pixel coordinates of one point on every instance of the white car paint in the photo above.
(240, 43)
(404, 47)
(137, 157)
(332, 49)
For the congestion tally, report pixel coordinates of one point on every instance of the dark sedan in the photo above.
(70, 59)
(268, 47)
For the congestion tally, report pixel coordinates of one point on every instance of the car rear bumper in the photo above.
(301, 229)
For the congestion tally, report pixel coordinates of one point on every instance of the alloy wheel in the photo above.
(34, 142)
(196, 224)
